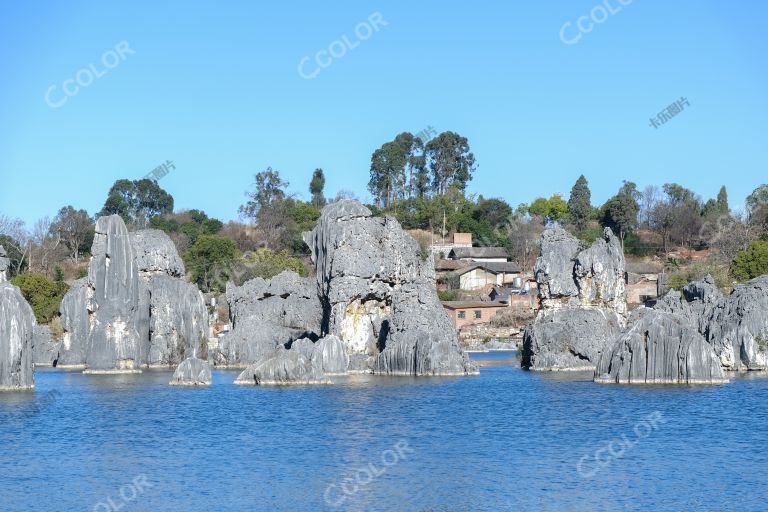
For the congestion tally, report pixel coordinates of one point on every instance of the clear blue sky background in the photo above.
(214, 87)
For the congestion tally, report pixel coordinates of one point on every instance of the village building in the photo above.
(479, 254)
(480, 275)
(470, 312)
(641, 282)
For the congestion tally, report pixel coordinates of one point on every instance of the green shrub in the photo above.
(751, 263)
(448, 295)
(678, 279)
(42, 294)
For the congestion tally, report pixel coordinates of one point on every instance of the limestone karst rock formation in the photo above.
(378, 295)
(133, 309)
(282, 367)
(660, 348)
(267, 313)
(17, 322)
(192, 372)
(373, 303)
(736, 326)
(583, 309)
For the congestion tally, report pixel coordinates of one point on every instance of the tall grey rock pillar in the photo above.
(17, 323)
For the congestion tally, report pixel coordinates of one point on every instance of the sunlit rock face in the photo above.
(282, 367)
(660, 348)
(736, 326)
(192, 372)
(134, 309)
(5, 264)
(583, 309)
(17, 323)
(114, 343)
(363, 263)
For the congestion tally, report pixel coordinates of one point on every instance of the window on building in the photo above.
(478, 314)
(462, 314)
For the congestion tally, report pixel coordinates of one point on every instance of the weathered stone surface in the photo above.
(178, 321)
(45, 350)
(582, 302)
(134, 309)
(421, 340)
(192, 372)
(282, 367)
(114, 343)
(329, 355)
(738, 328)
(304, 346)
(5, 263)
(363, 263)
(76, 308)
(156, 253)
(569, 338)
(660, 348)
(268, 313)
(17, 322)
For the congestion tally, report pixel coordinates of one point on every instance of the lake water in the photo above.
(506, 440)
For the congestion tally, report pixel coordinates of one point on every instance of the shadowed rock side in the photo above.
(266, 314)
(17, 322)
(45, 350)
(581, 290)
(660, 348)
(282, 367)
(134, 308)
(421, 340)
(362, 262)
(192, 372)
(178, 321)
(114, 343)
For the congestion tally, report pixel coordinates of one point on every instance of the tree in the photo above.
(552, 210)
(16, 240)
(413, 149)
(450, 162)
(387, 173)
(203, 256)
(316, 187)
(751, 263)
(757, 199)
(722, 201)
(76, 230)
(268, 188)
(579, 204)
(620, 212)
(137, 202)
(42, 294)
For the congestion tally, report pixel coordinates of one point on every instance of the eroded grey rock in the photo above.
(178, 326)
(282, 367)
(738, 328)
(329, 355)
(192, 372)
(5, 264)
(371, 278)
(45, 349)
(114, 343)
(17, 322)
(581, 290)
(156, 253)
(660, 348)
(269, 313)
(76, 308)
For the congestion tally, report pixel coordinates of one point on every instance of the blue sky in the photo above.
(215, 88)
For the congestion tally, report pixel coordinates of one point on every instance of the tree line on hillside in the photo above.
(420, 183)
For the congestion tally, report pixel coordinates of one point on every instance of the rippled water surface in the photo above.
(506, 440)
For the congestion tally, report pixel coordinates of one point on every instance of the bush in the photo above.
(512, 317)
(678, 279)
(42, 294)
(636, 246)
(448, 295)
(751, 263)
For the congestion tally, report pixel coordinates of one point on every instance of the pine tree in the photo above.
(579, 204)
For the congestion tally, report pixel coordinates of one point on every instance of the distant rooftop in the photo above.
(468, 304)
(478, 252)
(506, 267)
